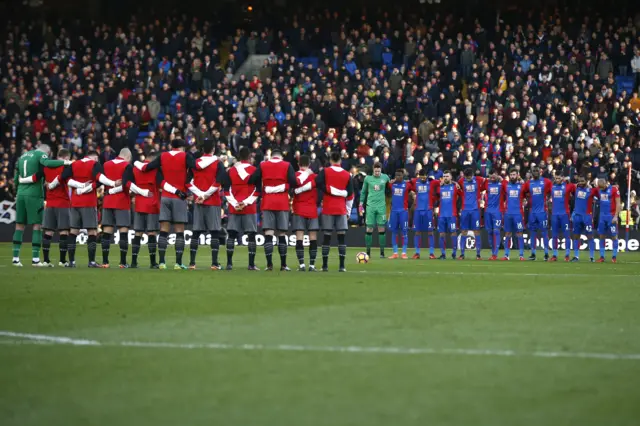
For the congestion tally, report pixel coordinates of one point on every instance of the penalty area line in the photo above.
(42, 339)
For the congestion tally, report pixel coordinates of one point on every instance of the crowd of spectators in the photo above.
(438, 92)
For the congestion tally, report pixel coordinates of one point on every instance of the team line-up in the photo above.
(160, 185)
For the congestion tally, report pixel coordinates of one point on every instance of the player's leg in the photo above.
(520, 235)
(404, 225)
(370, 222)
(165, 226)
(417, 242)
(299, 242)
(544, 220)
(602, 231)
(124, 244)
(90, 223)
(613, 231)
(418, 222)
(589, 232)
(135, 244)
(198, 227)
(340, 224)
(108, 226)
(283, 245)
(454, 236)
(442, 232)
(394, 224)
(75, 223)
(34, 208)
(249, 226)
(566, 229)
(269, 227)
(326, 222)
(465, 226)
(555, 232)
(578, 225)
(509, 229)
(476, 233)
(21, 220)
(47, 236)
(313, 247)
(381, 221)
(180, 243)
(533, 230)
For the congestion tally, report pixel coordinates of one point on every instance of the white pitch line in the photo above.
(41, 339)
(518, 274)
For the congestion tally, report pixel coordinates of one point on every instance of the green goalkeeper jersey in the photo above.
(374, 191)
(33, 163)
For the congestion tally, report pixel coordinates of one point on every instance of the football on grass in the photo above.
(362, 257)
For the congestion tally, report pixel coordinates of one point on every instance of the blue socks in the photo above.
(521, 245)
(478, 245)
(592, 247)
(405, 241)
(567, 244)
(507, 246)
(417, 242)
(496, 242)
(602, 243)
(463, 243)
(394, 241)
(431, 243)
(442, 244)
(615, 248)
(576, 248)
(454, 244)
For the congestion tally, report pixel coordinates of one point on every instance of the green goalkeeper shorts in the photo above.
(29, 210)
(376, 217)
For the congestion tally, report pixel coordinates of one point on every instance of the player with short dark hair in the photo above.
(116, 207)
(176, 166)
(399, 217)
(471, 187)
(336, 187)
(84, 176)
(241, 196)
(610, 208)
(56, 211)
(582, 217)
(305, 213)
(208, 177)
(30, 199)
(146, 212)
(513, 218)
(447, 193)
(373, 205)
(493, 212)
(561, 193)
(537, 190)
(276, 177)
(423, 212)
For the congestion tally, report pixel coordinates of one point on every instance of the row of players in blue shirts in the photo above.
(563, 207)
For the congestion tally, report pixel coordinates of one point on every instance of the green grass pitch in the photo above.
(390, 343)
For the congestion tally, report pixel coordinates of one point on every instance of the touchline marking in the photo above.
(42, 339)
(519, 274)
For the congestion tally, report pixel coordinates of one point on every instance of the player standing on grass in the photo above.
(116, 207)
(423, 212)
(373, 204)
(56, 212)
(610, 207)
(146, 212)
(582, 217)
(241, 196)
(537, 190)
(561, 193)
(471, 187)
(493, 212)
(447, 192)
(305, 213)
(513, 218)
(83, 176)
(30, 199)
(208, 177)
(176, 166)
(399, 218)
(337, 199)
(276, 177)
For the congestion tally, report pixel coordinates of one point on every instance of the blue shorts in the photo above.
(559, 223)
(513, 223)
(399, 220)
(582, 224)
(423, 221)
(538, 221)
(493, 221)
(470, 220)
(446, 224)
(605, 227)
